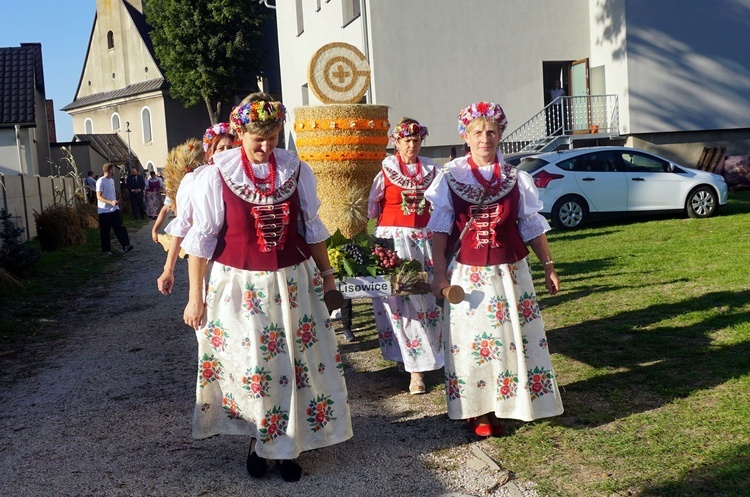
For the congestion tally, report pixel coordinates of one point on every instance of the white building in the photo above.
(676, 71)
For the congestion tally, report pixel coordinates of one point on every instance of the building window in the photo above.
(350, 10)
(300, 18)
(148, 137)
(88, 126)
(305, 95)
(150, 166)
(110, 40)
(115, 122)
(317, 5)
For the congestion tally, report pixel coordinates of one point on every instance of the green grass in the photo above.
(650, 337)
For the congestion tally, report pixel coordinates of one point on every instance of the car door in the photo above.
(601, 183)
(651, 183)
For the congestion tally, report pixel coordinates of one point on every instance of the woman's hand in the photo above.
(195, 311)
(552, 281)
(329, 283)
(438, 283)
(165, 282)
(155, 235)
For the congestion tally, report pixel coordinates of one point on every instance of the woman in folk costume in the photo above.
(268, 363)
(409, 327)
(497, 362)
(217, 138)
(154, 201)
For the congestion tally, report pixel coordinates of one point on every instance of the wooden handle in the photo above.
(333, 299)
(453, 294)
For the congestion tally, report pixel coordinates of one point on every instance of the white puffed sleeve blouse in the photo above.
(531, 224)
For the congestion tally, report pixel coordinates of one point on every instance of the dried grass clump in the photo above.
(182, 159)
(344, 145)
(59, 226)
(87, 215)
(8, 281)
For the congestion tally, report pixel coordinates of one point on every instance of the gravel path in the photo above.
(105, 409)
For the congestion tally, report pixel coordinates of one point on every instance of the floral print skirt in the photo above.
(154, 203)
(410, 328)
(497, 359)
(268, 362)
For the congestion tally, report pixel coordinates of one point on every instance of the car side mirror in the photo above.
(670, 167)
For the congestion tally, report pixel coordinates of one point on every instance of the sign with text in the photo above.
(365, 287)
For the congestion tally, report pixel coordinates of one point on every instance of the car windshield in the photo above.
(531, 164)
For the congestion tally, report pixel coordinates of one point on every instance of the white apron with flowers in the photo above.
(268, 360)
(410, 328)
(497, 358)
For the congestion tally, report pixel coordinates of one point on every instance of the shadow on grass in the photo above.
(657, 363)
(726, 478)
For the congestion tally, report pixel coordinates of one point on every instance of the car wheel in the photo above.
(569, 212)
(701, 202)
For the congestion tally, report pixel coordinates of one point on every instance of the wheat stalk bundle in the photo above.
(182, 159)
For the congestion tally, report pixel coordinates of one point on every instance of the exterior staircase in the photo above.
(561, 124)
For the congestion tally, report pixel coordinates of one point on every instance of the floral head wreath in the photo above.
(408, 129)
(214, 131)
(256, 112)
(489, 110)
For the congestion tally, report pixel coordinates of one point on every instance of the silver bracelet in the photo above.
(327, 272)
(548, 263)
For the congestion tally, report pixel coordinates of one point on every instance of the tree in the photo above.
(207, 48)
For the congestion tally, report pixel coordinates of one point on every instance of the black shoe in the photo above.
(290, 470)
(127, 248)
(348, 335)
(256, 465)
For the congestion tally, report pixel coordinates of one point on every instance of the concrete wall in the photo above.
(688, 67)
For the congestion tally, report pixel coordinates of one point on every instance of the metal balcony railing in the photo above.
(564, 121)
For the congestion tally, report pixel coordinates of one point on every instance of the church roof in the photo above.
(21, 76)
(130, 90)
(139, 21)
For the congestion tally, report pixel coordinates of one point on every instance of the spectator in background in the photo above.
(136, 184)
(110, 217)
(154, 201)
(90, 183)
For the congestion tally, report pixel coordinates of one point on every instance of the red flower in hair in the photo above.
(482, 107)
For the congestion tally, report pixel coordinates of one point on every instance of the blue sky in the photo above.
(63, 28)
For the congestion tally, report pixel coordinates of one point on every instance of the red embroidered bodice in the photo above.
(492, 237)
(260, 234)
(403, 203)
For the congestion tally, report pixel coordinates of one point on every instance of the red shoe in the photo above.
(480, 429)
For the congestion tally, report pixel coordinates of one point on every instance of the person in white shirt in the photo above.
(108, 208)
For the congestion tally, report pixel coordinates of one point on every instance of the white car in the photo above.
(579, 183)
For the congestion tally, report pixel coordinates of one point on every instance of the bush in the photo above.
(15, 256)
(59, 226)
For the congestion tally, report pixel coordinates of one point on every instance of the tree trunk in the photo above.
(213, 111)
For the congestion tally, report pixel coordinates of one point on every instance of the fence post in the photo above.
(25, 207)
(54, 197)
(5, 193)
(39, 192)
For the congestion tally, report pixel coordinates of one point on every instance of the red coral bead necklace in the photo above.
(269, 181)
(417, 178)
(491, 186)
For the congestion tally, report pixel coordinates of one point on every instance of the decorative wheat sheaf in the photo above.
(344, 145)
(182, 159)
